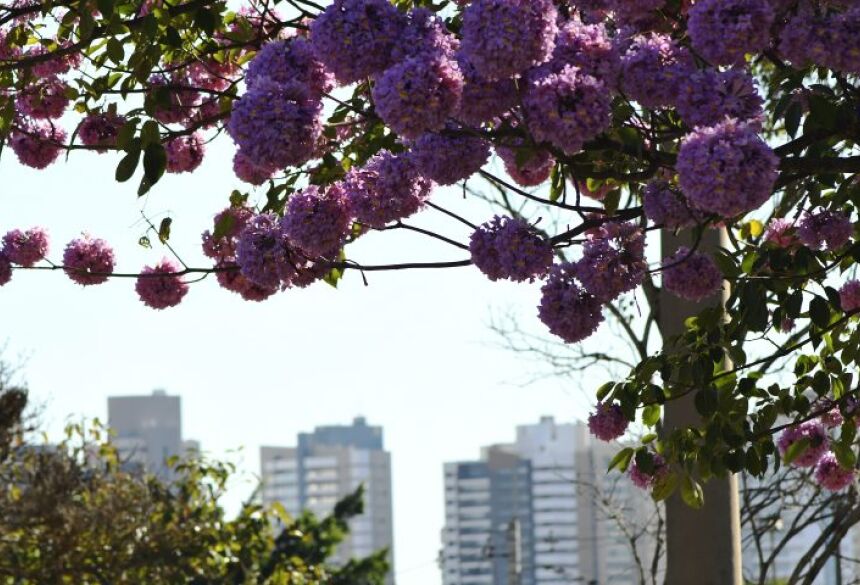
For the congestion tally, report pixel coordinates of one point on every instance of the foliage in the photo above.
(70, 513)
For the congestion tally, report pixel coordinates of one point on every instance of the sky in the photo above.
(412, 351)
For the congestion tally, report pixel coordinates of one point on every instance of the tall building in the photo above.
(148, 431)
(537, 512)
(325, 466)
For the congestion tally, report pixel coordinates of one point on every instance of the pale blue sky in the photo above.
(412, 352)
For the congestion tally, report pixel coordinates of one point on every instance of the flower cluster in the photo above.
(589, 48)
(565, 308)
(707, 97)
(780, 232)
(262, 252)
(220, 243)
(316, 223)
(5, 269)
(355, 38)
(607, 422)
(25, 248)
(449, 158)
(37, 144)
(184, 153)
(824, 229)
(831, 475)
(419, 94)
(645, 480)
(45, 99)
(510, 248)
(652, 68)
(815, 436)
(483, 99)
(723, 31)
(526, 167)
(664, 205)
(726, 169)
(290, 61)
(691, 275)
(503, 38)
(849, 296)
(424, 34)
(100, 130)
(276, 125)
(160, 287)
(567, 108)
(88, 260)
(613, 260)
(387, 188)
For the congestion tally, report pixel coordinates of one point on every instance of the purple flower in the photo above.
(482, 99)
(43, 99)
(613, 261)
(691, 275)
(780, 232)
(387, 188)
(184, 153)
(5, 269)
(831, 475)
(723, 31)
(588, 47)
(707, 97)
(568, 311)
(174, 102)
(248, 172)
(607, 422)
(262, 251)
(811, 431)
(726, 169)
(163, 291)
(824, 229)
(88, 260)
(652, 68)
(100, 130)
(317, 223)
(419, 94)
(230, 277)
(424, 33)
(510, 248)
(806, 38)
(27, 247)
(355, 38)
(844, 53)
(503, 38)
(644, 480)
(37, 144)
(276, 125)
(665, 206)
(290, 61)
(567, 108)
(447, 159)
(849, 296)
(531, 171)
(831, 418)
(636, 12)
(220, 243)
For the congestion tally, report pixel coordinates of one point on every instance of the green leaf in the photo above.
(126, 167)
(665, 486)
(144, 242)
(150, 134)
(154, 162)
(115, 50)
(691, 492)
(105, 7)
(794, 304)
(844, 454)
(819, 312)
(792, 118)
(795, 450)
(706, 401)
(621, 461)
(604, 390)
(651, 415)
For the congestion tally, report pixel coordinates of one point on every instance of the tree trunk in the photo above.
(703, 547)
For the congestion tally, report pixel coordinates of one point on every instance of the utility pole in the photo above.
(703, 547)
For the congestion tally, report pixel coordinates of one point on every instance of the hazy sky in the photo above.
(411, 352)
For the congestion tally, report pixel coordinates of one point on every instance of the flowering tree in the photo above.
(628, 117)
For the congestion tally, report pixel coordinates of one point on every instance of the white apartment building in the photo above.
(532, 513)
(325, 466)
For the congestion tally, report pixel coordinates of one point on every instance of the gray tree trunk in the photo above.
(703, 547)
